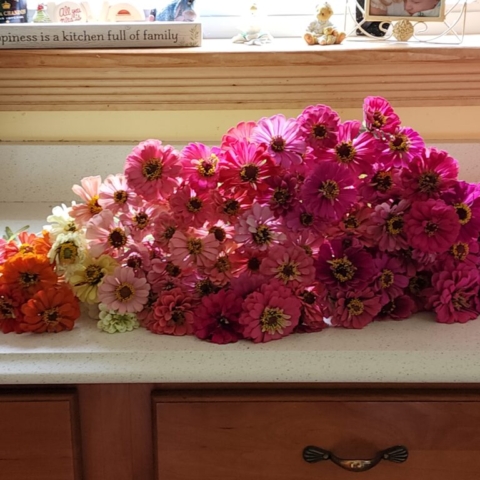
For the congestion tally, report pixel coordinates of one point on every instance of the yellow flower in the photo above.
(88, 276)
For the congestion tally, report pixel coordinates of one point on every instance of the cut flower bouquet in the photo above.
(289, 225)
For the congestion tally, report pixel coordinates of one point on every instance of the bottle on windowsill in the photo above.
(13, 11)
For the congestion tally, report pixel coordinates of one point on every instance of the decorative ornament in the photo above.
(253, 33)
(403, 30)
(41, 15)
(70, 12)
(322, 31)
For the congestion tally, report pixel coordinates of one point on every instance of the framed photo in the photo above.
(413, 10)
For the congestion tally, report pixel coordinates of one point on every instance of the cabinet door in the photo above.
(38, 437)
(263, 439)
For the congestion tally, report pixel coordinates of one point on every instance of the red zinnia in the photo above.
(10, 309)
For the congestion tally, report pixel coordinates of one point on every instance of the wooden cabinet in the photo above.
(262, 437)
(38, 437)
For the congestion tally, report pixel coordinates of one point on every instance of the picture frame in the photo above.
(396, 10)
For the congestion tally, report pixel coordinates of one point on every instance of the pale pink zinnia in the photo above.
(270, 313)
(141, 220)
(115, 194)
(242, 132)
(106, 235)
(281, 135)
(123, 291)
(173, 313)
(89, 193)
(152, 169)
(201, 165)
(431, 226)
(292, 266)
(257, 228)
(188, 249)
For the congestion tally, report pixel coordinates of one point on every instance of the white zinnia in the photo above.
(111, 321)
(60, 221)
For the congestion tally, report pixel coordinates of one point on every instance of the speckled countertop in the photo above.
(415, 350)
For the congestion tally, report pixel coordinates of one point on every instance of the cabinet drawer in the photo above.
(38, 437)
(263, 439)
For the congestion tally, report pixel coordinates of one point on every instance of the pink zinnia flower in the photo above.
(454, 295)
(173, 313)
(312, 312)
(391, 279)
(429, 175)
(353, 150)
(270, 313)
(249, 260)
(106, 235)
(281, 135)
(460, 252)
(164, 230)
(216, 318)
(283, 196)
(165, 275)
(189, 208)
(225, 266)
(329, 192)
(115, 195)
(301, 219)
(354, 224)
(242, 132)
(355, 308)
(291, 266)
(398, 308)
(379, 115)
(89, 193)
(309, 241)
(465, 198)
(152, 169)
(400, 147)
(123, 291)
(344, 268)
(431, 226)
(141, 220)
(381, 185)
(201, 165)
(228, 205)
(319, 126)
(188, 249)
(388, 226)
(257, 228)
(246, 167)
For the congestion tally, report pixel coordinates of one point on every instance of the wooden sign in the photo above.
(107, 35)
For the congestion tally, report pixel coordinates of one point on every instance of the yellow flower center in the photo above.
(142, 220)
(152, 169)
(460, 251)
(342, 269)
(93, 205)
(395, 225)
(329, 189)
(355, 306)
(206, 168)
(67, 253)
(464, 213)
(287, 272)
(223, 264)
(460, 302)
(263, 235)
(387, 278)
(194, 246)
(94, 274)
(378, 119)
(399, 143)
(50, 316)
(120, 197)
(345, 152)
(273, 320)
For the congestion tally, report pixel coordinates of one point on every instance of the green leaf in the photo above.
(10, 235)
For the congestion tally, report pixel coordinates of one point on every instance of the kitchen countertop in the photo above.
(410, 351)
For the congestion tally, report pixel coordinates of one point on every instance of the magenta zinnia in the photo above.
(319, 126)
(379, 115)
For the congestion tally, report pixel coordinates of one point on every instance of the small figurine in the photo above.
(178, 11)
(252, 33)
(322, 31)
(41, 15)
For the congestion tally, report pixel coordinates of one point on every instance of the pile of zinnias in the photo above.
(290, 225)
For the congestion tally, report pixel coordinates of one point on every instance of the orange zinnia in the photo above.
(10, 304)
(29, 273)
(52, 310)
(26, 243)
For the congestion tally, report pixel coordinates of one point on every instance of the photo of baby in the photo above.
(408, 9)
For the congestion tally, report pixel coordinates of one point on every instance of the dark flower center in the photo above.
(117, 238)
(273, 319)
(223, 264)
(120, 196)
(355, 306)
(178, 316)
(67, 253)
(395, 225)
(231, 207)
(460, 251)
(342, 269)
(28, 279)
(428, 182)
(460, 302)
(386, 278)
(93, 274)
(378, 120)
(464, 213)
(345, 152)
(281, 196)
(169, 232)
(253, 264)
(400, 143)
(249, 173)
(50, 316)
(329, 189)
(152, 169)
(351, 222)
(124, 292)
(306, 219)
(319, 130)
(418, 283)
(205, 287)
(288, 271)
(6, 309)
(263, 235)
(388, 308)
(278, 144)
(194, 205)
(206, 168)
(309, 297)
(134, 261)
(142, 220)
(194, 246)
(173, 270)
(382, 181)
(219, 233)
(431, 228)
(223, 321)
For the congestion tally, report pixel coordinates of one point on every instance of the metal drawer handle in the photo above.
(397, 454)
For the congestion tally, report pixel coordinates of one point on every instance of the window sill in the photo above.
(221, 76)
